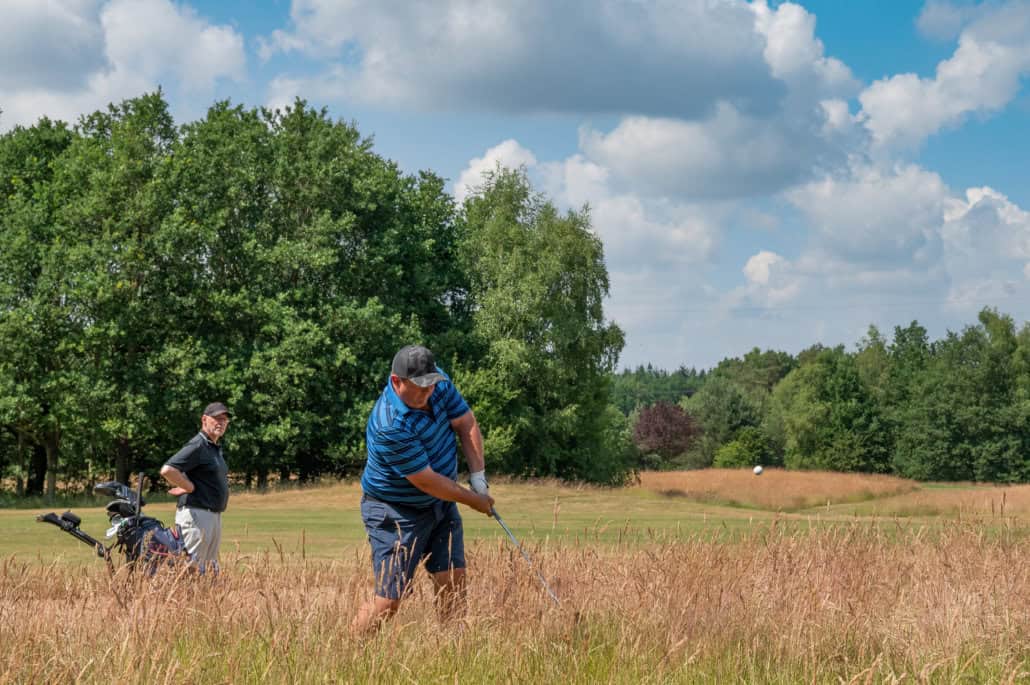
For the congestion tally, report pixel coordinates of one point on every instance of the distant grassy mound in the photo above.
(775, 489)
(977, 500)
(850, 494)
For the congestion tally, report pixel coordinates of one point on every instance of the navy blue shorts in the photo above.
(401, 537)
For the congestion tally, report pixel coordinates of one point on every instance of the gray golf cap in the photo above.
(416, 364)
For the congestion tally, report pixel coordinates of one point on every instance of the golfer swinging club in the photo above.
(410, 487)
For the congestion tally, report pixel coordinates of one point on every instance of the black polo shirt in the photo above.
(203, 463)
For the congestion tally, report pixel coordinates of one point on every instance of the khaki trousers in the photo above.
(202, 533)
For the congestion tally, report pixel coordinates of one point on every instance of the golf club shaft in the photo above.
(139, 494)
(543, 581)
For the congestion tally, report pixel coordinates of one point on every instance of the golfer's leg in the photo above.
(200, 532)
(389, 568)
(372, 614)
(216, 541)
(393, 570)
(394, 540)
(446, 564)
(192, 534)
(451, 597)
(207, 551)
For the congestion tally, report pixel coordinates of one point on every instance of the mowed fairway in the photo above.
(711, 576)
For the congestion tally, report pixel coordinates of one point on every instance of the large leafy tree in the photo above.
(314, 259)
(537, 284)
(735, 397)
(829, 420)
(40, 328)
(722, 408)
(113, 203)
(269, 259)
(749, 448)
(967, 418)
(874, 363)
(757, 372)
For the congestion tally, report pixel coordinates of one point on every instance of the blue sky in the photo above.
(762, 174)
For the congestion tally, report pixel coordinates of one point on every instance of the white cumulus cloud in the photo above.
(982, 76)
(84, 55)
(795, 54)
(759, 266)
(987, 248)
(49, 45)
(727, 155)
(945, 20)
(730, 152)
(872, 214)
(887, 236)
(508, 154)
(673, 59)
(881, 239)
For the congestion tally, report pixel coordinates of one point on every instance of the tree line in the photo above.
(954, 409)
(272, 260)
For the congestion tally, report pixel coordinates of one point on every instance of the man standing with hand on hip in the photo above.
(410, 489)
(200, 478)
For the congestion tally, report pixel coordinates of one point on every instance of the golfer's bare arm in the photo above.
(177, 478)
(430, 482)
(467, 429)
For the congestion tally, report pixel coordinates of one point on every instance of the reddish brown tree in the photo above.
(664, 429)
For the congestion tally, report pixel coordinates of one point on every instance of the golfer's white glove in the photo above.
(477, 481)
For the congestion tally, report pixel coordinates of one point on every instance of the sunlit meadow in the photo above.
(741, 584)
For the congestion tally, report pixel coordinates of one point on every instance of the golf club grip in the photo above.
(51, 518)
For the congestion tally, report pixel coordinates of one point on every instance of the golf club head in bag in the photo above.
(125, 502)
(113, 488)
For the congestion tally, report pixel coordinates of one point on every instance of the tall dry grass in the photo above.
(775, 489)
(784, 604)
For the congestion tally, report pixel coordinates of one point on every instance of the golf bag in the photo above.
(142, 540)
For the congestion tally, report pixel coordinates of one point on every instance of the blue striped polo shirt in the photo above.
(402, 441)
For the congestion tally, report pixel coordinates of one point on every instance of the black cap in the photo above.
(416, 364)
(216, 409)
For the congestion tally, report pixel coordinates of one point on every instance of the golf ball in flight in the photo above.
(758, 470)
